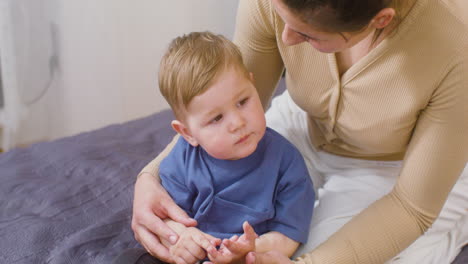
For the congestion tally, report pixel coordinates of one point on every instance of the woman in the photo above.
(376, 103)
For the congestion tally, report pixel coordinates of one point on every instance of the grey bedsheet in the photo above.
(69, 200)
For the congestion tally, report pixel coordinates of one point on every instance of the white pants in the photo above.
(346, 186)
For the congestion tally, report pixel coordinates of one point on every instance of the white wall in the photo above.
(103, 56)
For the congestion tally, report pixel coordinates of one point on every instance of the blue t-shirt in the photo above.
(271, 188)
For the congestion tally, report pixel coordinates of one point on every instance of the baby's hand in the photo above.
(192, 246)
(235, 249)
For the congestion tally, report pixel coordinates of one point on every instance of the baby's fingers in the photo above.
(214, 241)
(249, 232)
(236, 247)
(204, 243)
(219, 257)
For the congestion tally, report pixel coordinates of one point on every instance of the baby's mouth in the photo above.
(243, 139)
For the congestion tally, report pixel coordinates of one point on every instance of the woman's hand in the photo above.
(193, 245)
(151, 204)
(270, 257)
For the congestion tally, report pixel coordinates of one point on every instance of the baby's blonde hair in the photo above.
(191, 65)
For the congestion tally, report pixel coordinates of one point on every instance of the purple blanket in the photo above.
(70, 200)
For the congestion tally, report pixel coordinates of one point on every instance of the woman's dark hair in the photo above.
(337, 15)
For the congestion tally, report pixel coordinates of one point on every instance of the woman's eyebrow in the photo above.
(305, 36)
(343, 36)
(312, 38)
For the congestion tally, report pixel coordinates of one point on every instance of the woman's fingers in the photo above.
(152, 204)
(180, 260)
(176, 213)
(199, 248)
(152, 244)
(220, 258)
(143, 228)
(183, 255)
(213, 240)
(205, 243)
(159, 228)
(165, 207)
(188, 257)
(149, 208)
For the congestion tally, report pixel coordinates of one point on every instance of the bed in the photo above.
(70, 200)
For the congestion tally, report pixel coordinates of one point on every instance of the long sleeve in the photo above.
(407, 99)
(257, 41)
(153, 167)
(436, 156)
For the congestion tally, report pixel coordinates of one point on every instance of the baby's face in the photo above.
(227, 120)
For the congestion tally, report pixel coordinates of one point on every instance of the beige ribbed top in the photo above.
(406, 99)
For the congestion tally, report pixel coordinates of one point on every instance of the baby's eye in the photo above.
(217, 118)
(243, 101)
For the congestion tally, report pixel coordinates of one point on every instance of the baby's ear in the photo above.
(183, 130)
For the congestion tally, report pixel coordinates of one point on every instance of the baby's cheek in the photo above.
(218, 149)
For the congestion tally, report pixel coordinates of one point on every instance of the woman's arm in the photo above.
(152, 168)
(276, 241)
(152, 204)
(436, 155)
(395, 221)
(256, 38)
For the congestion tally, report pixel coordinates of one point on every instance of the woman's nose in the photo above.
(291, 37)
